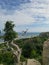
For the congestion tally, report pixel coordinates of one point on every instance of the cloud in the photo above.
(26, 13)
(18, 17)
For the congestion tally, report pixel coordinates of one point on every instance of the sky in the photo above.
(25, 14)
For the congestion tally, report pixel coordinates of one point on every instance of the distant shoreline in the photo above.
(27, 35)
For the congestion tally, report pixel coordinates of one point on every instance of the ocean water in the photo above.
(21, 35)
(28, 35)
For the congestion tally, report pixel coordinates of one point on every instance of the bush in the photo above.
(22, 58)
(26, 50)
(6, 58)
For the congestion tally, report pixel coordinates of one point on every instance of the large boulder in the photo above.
(46, 53)
(33, 62)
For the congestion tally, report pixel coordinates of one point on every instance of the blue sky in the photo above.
(26, 14)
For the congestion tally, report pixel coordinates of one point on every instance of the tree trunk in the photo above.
(16, 53)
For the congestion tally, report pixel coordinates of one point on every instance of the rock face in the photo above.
(46, 53)
(1, 64)
(33, 62)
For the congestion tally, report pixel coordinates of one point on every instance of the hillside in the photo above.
(31, 48)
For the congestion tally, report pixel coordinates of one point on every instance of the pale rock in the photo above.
(46, 53)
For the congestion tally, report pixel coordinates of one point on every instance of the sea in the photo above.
(22, 35)
(28, 34)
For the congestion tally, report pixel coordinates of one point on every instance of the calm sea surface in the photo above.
(27, 35)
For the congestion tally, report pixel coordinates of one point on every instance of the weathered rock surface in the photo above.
(1, 64)
(46, 53)
(33, 62)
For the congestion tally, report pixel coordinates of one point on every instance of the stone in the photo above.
(46, 53)
(1, 64)
(23, 63)
(33, 62)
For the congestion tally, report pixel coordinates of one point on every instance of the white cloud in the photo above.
(18, 17)
(37, 9)
(26, 13)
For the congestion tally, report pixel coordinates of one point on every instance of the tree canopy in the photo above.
(10, 34)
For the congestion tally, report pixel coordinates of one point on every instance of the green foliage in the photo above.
(6, 58)
(33, 54)
(26, 50)
(44, 34)
(10, 34)
(22, 58)
(32, 47)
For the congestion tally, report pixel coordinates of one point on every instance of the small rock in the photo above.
(33, 62)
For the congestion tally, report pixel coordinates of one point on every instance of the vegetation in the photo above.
(44, 34)
(6, 58)
(31, 47)
(10, 34)
(6, 55)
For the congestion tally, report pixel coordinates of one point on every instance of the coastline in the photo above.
(20, 36)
